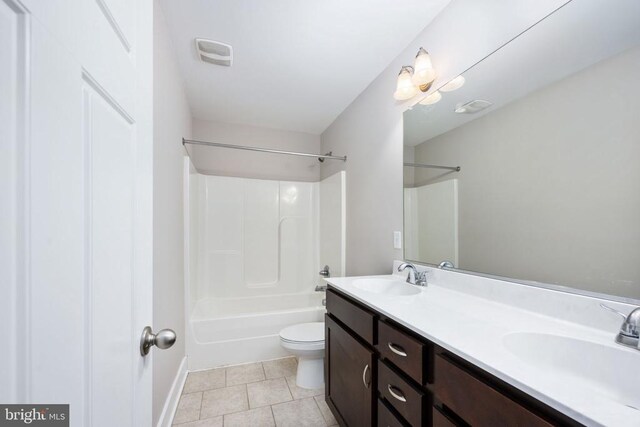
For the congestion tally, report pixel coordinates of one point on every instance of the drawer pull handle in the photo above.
(397, 349)
(364, 376)
(396, 393)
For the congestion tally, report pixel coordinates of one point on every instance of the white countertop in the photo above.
(474, 328)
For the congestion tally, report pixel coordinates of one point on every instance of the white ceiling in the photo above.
(297, 64)
(578, 35)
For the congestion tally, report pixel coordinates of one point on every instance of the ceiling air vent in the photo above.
(472, 107)
(214, 52)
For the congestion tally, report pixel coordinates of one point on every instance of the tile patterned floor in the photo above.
(255, 394)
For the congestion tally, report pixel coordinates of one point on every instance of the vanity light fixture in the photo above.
(453, 84)
(411, 80)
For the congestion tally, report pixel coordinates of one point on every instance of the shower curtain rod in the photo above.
(320, 157)
(422, 165)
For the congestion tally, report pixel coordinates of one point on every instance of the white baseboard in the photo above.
(170, 405)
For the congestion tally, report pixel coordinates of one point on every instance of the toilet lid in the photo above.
(304, 332)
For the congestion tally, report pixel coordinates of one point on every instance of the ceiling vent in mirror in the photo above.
(214, 52)
(472, 107)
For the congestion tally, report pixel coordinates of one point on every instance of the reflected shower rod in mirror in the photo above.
(422, 165)
(320, 157)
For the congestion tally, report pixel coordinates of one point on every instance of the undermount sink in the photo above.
(386, 286)
(609, 371)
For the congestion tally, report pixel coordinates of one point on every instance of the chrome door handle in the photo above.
(398, 394)
(397, 349)
(364, 376)
(163, 339)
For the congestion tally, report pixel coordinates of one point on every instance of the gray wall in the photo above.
(172, 120)
(369, 131)
(552, 180)
(248, 164)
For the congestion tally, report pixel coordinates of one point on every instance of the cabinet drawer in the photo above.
(386, 418)
(410, 402)
(404, 351)
(476, 402)
(355, 318)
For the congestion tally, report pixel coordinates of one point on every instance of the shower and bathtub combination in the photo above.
(253, 253)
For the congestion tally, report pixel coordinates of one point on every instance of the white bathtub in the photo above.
(227, 331)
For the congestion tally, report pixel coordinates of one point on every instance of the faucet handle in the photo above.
(631, 325)
(421, 277)
(446, 264)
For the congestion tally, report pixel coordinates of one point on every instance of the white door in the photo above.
(76, 222)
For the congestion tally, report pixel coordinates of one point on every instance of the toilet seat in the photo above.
(304, 333)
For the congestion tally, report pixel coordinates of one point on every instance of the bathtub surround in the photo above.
(257, 238)
(369, 131)
(255, 249)
(262, 393)
(172, 120)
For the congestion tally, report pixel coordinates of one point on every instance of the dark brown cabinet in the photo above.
(489, 407)
(387, 418)
(412, 403)
(378, 372)
(348, 376)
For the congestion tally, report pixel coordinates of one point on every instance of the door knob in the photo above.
(163, 339)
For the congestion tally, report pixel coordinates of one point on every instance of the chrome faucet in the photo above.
(325, 272)
(446, 264)
(629, 334)
(419, 277)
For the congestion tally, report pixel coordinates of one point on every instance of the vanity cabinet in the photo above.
(454, 385)
(379, 373)
(349, 368)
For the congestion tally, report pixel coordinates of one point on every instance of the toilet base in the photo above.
(310, 373)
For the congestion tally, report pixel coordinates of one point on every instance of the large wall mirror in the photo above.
(546, 132)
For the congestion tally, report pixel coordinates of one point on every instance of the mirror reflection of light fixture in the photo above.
(453, 84)
(431, 98)
(405, 89)
(423, 72)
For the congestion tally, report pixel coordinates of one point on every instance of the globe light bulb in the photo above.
(405, 89)
(423, 72)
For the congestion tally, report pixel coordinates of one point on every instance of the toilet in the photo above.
(306, 341)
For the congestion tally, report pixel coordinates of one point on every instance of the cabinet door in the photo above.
(349, 378)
